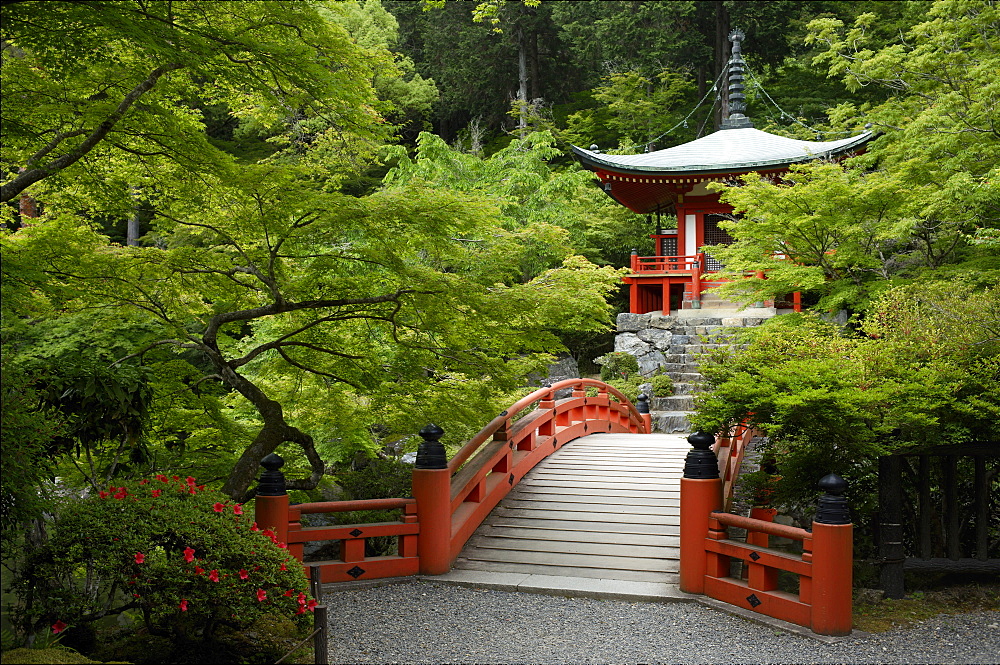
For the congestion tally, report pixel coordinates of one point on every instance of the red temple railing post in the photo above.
(701, 495)
(432, 490)
(832, 560)
(642, 406)
(797, 301)
(271, 503)
(699, 262)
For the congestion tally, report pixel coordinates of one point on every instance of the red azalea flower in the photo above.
(176, 477)
(198, 570)
(237, 509)
(184, 605)
(254, 527)
(192, 491)
(188, 554)
(244, 574)
(103, 494)
(283, 567)
(144, 481)
(301, 610)
(191, 480)
(301, 598)
(157, 492)
(312, 605)
(290, 592)
(139, 557)
(135, 595)
(218, 507)
(201, 487)
(162, 478)
(122, 494)
(281, 545)
(214, 575)
(261, 595)
(59, 627)
(268, 533)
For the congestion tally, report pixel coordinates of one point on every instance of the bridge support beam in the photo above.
(701, 495)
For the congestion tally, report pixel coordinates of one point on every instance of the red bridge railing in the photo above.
(451, 497)
(824, 568)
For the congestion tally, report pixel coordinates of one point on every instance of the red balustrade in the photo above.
(730, 449)
(685, 264)
(824, 568)
(450, 502)
(481, 474)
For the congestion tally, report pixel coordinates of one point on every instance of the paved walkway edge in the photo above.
(557, 585)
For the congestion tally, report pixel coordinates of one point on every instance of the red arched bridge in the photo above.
(578, 486)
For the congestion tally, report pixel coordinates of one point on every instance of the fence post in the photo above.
(832, 560)
(642, 406)
(696, 281)
(701, 494)
(432, 490)
(271, 504)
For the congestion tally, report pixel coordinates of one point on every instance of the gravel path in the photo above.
(427, 622)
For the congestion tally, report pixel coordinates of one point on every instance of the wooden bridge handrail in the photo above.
(347, 506)
(762, 526)
(544, 393)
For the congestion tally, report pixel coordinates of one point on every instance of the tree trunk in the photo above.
(522, 88)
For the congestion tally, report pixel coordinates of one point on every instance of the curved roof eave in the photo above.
(710, 154)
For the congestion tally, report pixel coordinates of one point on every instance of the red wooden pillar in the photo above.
(432, 491)
(271, 503)
(696, 269)
(701, 495)
(832, 560)
(642, 406)
(797, 301)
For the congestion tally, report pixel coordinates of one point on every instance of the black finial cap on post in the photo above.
(701, 463)
(430, 452)
(832, 506)
(642, 403)
(272, 481)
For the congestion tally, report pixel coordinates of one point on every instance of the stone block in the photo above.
(660, 339)
(650, 362)
(657, 320)
(630, 343)
(632, 322)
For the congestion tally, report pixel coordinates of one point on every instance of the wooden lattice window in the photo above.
(715, 236)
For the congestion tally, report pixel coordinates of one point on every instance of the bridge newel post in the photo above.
(432, 491)
(832, 560)
(642, 406)
(701, 495)
(271, 503)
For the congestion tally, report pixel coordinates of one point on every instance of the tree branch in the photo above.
(32, 175)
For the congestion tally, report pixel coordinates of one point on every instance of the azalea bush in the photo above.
(182, 559)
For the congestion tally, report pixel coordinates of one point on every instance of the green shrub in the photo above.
(617, 365)
(663, 385)
(630, 387)
(184, 558)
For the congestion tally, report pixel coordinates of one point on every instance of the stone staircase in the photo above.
(673, 343)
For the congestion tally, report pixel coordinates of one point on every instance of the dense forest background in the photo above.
(233, 228)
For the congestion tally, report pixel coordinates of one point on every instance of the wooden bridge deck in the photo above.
(599, 517)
